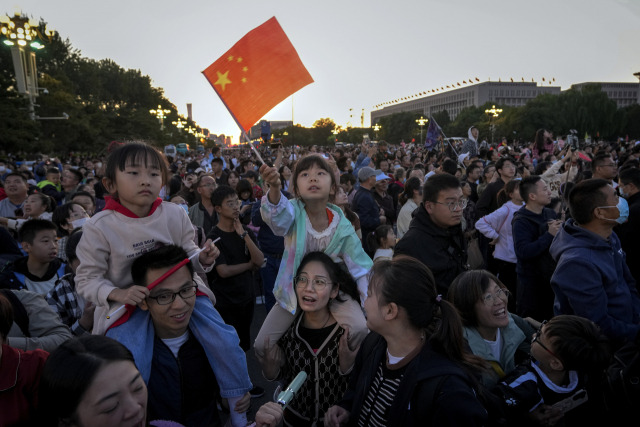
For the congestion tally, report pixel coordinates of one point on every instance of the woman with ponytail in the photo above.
(412, 369)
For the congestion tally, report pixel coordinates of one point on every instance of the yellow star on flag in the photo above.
(244, 80)
(230, 58)
(239, 59)
(223, 79)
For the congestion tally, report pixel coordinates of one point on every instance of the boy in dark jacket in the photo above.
(534, 227)
(41, 268)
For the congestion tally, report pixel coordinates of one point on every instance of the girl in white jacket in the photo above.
(497, 226)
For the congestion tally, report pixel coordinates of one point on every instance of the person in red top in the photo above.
(19, 374)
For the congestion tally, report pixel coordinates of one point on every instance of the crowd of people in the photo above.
(476, 285)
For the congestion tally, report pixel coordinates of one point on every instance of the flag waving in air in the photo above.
(257, 73)
(433, 134)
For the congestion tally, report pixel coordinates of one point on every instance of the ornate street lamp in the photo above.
(421, 121)
(492, 112)
(160, 114)
(179, 123)
(376, 128)
(22, 33)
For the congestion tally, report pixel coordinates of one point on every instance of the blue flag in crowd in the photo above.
(433, 133)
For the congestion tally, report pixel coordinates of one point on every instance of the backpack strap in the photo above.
(20, 316)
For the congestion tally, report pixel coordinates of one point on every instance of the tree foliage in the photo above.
(104, 102)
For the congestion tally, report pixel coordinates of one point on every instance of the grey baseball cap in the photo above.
(366, 173)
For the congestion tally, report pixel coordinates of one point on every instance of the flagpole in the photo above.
(444, 138)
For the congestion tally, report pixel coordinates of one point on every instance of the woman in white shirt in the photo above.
(409, 198)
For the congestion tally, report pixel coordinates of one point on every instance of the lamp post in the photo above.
(160, 114)
(179, 123)
(421, 121)
(376, 128)
(492, 112)
(20, 33)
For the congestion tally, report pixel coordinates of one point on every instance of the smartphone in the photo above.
(576, 399)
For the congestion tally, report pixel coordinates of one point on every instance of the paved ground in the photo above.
(255, 373)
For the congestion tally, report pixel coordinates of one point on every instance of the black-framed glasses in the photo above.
(460, 204)
(536, 339)
(489, 299)
(167, 298)
(317, 284)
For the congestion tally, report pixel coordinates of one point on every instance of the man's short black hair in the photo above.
(437, 183)
(53, 169)
(528, 186)
(84, 193)
(630, 176)
(449, 166)
(217, 160)
(162, 257)
(473, 166)
(77, 174)
(502, 160)
(32, 227)
(347, 177)
(599, 160)
(221, 193)
(585, 197)
(18, 174)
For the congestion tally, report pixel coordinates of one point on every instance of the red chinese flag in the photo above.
(257, 73)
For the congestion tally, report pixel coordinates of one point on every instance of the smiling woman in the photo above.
(500, 337)
(92, 381)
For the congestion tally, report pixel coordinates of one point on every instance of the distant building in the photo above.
(512, 94)
(509, 94)
(624, 94)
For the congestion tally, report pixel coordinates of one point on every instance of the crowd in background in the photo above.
(513, 261)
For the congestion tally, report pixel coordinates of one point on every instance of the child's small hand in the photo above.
(133, 295)
(209, 254)
(270, 174)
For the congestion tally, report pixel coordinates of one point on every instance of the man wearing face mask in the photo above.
(629, 232)
(592, 279)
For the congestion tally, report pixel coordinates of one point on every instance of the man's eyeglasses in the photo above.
(166, 298)
(232, 203)
(490, 299)
(316, 284)
(460, 204)
(536, 339)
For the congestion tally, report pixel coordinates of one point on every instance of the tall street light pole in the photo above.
(22, 33)
(376, 128)
(160, 113)
(492, 112)
(421, 121)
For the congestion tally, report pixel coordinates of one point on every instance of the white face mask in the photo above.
(78, 223)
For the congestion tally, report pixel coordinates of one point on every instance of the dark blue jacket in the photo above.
(531, 241)
(270, 244)
(592, 280)
(364, 204)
